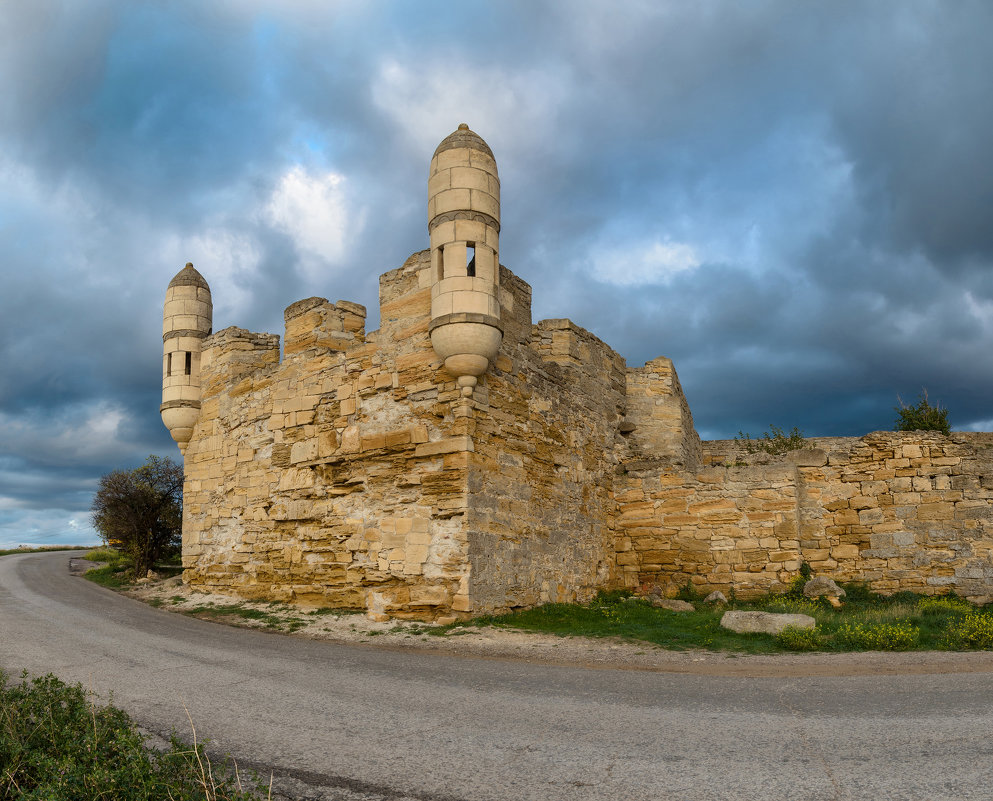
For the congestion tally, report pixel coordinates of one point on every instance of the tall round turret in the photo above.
(186, 322)
(464, 223)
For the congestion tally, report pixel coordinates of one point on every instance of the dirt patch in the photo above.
(78, 566)
(498, 643)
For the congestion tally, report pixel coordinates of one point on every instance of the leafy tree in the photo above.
(140, 511)
(922, 416)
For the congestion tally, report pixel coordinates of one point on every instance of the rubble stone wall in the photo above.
(338, 476)
(541, 499)
(898, 510)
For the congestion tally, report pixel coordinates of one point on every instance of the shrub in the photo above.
(974, 631)
(688, 592)
(878, 636)
(804, 575)
(140, 511)
(609, 597)
(55, 744)
(793, 638)
(922, 416)
(858, 592)
(774, 441)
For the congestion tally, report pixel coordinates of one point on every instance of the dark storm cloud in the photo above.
(792, 202)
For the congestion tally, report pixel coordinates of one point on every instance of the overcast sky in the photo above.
(793, 201)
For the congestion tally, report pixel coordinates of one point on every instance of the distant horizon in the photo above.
(28, 545)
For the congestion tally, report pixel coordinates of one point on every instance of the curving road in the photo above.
(352, 722)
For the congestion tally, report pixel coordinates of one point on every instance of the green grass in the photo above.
(116, 574)
(113, 577)
(868, 622)
(281, 619)
(635, 620)
(103, 555)
(56, 744)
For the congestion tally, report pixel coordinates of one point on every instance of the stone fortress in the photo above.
(464, 460)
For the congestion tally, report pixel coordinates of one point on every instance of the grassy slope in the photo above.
(56, 744)
(866, 622)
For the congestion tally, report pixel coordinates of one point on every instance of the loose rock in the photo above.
(716, 597)
(673, 605)
(822, 585)
(764, 622)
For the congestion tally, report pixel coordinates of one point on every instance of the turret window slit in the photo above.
(189, 363)
(470, 259)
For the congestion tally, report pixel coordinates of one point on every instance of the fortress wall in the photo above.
(898, 510)
(715, 528)
(541, 485)
(658, 419)
(337, 477)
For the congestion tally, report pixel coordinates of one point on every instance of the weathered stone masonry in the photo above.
(462, 460)
(898, 510)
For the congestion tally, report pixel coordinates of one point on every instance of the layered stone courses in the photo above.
(897, 510)
(356, 471)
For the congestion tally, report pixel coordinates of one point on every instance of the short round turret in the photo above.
(464, 224)
(186, 322)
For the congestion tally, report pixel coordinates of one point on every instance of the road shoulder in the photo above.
(172, 596)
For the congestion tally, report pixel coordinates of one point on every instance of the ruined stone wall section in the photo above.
(314, 324)
(540, 491)
(898, 510)
(903, 511)
(659, 422)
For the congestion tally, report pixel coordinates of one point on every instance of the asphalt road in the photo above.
(354, 722)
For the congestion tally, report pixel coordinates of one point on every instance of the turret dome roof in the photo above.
(463, 137)
(188, 276)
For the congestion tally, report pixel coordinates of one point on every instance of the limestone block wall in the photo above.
(901, 511)
(338, 476)
(898, 510)
(658, 420)
(540, 491)
(355, 473)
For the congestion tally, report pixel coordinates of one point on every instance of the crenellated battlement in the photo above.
(233, 354)
(315, 324)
